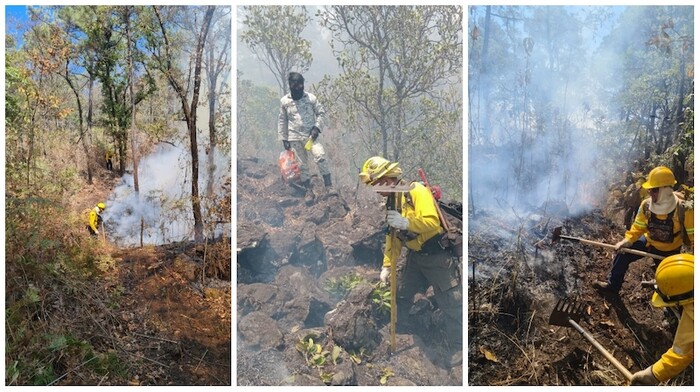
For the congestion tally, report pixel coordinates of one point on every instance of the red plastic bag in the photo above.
(289, 167)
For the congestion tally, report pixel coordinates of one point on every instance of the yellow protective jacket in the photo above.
(681, 354)
(639, 228)
(95, 218)
(423, 220)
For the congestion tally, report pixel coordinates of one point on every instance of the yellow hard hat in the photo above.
(674, 281)
(101, 205)
(378, 167)
(658, 177)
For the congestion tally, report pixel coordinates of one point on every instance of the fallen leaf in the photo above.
(488, 354)
(608, 323)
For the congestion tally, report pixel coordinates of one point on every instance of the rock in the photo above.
(343, 374)
(287, 253)
(265, 367)
(255, 253)
(251, 167)
(309, 252)
(258, 297)
(271, 213)
(368, 249)
(318, 215)
(350, 322)
(413, 361)
(259, 330)
(304, 380)
(400, 381)
(304, 303)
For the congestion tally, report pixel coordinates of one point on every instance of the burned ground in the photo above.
(516, 277)
(156, 315)
(308, 300)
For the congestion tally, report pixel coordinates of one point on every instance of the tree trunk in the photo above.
(192, 126)
(134, 144)
(485, 85)
(83, 137)
(189, 111)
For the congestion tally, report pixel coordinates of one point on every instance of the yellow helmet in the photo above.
(660, 176)
(101, 205)
(378, 167)
(674, 281)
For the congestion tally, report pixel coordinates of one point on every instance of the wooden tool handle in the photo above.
(603, 351)
(612, 247)
(393, 204)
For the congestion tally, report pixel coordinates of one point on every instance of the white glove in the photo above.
(623, 244)
(97, 232)
(644, 377)
(394, 219)
(384, 275)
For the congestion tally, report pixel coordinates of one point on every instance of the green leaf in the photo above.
(335, 354)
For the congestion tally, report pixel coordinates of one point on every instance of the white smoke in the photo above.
(164, 198)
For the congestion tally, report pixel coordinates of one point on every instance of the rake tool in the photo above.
(568, 314)
(556, 235)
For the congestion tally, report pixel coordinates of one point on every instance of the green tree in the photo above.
(38, 114)
(399, 93)
(253, 120)
(217, 63)
(391, 56)
(274, 35)
(164, 55)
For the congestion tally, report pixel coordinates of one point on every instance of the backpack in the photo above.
(680, 210)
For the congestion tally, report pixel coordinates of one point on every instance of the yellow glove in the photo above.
(644, 377)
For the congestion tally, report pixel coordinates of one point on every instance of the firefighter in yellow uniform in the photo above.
(656, 229)
(95, 219)
(427, 262)
(108, 159)
(674, 288)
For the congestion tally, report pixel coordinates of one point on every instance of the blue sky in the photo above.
(15, 16)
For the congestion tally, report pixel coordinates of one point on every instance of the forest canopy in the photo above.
(562, 100)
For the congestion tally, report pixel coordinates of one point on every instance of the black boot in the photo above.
(329, 185)
(309, 198)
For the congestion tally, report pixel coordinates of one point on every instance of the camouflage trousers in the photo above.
(317, 153)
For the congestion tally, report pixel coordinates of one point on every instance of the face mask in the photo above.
(666, 201)
(296, 88)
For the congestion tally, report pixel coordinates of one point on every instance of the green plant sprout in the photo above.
(381, 296)
(343, 285)
(385, 375)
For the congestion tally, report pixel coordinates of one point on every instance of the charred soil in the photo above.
(310, 309)
(157, 315)
(517, 274)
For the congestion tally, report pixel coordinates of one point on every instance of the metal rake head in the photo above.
(556, 234)
(565, 310)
